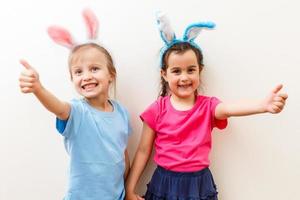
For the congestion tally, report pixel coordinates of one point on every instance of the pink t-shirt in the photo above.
(183, 138)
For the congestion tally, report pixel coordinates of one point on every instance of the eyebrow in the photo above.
(190, 66)
(90, 65)
(75, 67)
(96, 65)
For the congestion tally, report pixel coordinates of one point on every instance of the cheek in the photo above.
(173, 82)
(196, 77)
(104, 78)
(197, 81)
(107, 78)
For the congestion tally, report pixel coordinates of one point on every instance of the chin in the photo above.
(183, 96)
(88, 95)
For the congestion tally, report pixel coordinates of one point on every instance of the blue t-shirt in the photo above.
(96, 142)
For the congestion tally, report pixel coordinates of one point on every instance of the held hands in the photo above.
(275, 101)
(133, 196)
(29, 79)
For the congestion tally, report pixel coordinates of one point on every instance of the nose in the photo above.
(184, 77)
(87, 76)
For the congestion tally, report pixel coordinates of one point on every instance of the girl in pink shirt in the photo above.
(180, 121)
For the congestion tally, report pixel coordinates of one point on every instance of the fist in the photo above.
(275, 101)
(29, 79)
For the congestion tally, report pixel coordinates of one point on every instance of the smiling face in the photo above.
(182, 74)
(90, 72)
(193, 57)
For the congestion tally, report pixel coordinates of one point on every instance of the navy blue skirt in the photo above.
(170, 185)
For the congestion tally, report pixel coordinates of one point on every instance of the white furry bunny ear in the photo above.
(91, 22)
(193, 30)
(166, 31)
(61, 36)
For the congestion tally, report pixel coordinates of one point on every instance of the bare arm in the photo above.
(273, 103)
(140, 160)
(127, 164)
(30, 83)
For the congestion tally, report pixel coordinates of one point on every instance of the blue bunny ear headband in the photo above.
(168, 35)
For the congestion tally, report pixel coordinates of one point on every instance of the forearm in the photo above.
(127, 165)
(239, 108)
(53, 104)
(139, 163)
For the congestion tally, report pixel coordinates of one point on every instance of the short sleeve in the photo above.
(149, 116)
(70, 126)
(220, 124)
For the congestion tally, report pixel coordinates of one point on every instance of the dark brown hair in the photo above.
(178, 48)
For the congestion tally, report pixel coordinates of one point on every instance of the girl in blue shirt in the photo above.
(95, 128)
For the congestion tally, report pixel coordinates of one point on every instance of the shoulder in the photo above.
(77, 102)
(119, 108)
(117, 105)
(208, 103)
(160, 103)
(71, 125)
(78, 105)
(207, 99)
(156, 108)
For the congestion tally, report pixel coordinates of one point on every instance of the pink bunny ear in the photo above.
(61, 36)
(91, 23)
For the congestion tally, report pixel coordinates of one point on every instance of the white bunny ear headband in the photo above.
(168, 36)
(63, 37)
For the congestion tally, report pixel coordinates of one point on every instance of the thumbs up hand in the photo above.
(29, 79)
(275, 101)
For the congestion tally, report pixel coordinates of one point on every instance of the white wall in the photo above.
(254, 47)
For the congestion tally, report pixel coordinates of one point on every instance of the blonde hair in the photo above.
(110, 63)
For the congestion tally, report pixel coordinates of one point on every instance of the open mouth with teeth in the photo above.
(89, 86)
(185, 86)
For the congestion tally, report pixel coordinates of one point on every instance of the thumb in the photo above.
(25, 64)
(277, 88)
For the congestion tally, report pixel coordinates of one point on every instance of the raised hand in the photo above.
(29, 79)
(275, 101)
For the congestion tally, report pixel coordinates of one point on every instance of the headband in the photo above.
(64, 38)
(168, 35)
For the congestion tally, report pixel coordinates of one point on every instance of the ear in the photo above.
(61, 36)
(166, 32)
(163, 74)
(193, 30)
(111, 79)
(91, 22)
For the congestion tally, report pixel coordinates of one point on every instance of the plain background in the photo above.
(254, 47)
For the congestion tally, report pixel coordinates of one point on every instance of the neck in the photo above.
(101, 104)
(183, 103)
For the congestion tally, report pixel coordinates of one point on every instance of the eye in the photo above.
(95, 69)
(191, 70)
(175, 71)
(78, 72)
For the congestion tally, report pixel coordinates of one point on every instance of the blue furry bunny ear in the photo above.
(166, 32)
(193, 30)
